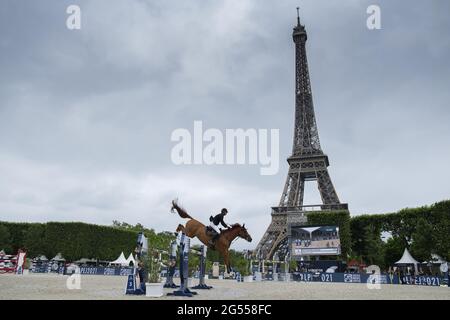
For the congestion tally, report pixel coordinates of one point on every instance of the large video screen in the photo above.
(315, 240)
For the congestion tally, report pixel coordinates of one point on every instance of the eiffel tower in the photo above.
(307, 162)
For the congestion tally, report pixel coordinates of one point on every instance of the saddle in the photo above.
(211, 232)
(213, 236)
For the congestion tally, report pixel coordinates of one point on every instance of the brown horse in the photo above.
(194, 228)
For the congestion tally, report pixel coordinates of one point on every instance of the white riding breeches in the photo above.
(212, 225)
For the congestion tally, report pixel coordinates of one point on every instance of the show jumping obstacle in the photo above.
(184, 271)
(272, 271)
(172, 265)
(201, 277)
(141, 251)
(184, 268)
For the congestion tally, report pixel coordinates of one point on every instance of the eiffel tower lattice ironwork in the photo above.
(307, 162)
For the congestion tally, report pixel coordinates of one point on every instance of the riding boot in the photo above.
(212, 241)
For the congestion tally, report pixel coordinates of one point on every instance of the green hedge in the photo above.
(340, 218)
(74, 240)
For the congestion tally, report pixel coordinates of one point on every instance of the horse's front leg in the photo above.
(226, 260)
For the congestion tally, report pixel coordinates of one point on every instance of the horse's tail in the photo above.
(180, 210)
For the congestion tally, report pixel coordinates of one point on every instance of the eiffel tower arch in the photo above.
(307, 162)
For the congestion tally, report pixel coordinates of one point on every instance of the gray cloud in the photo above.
(86, 116)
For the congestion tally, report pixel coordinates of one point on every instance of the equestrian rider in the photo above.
(215, 222)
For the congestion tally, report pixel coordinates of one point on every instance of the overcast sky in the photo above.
(86, 115)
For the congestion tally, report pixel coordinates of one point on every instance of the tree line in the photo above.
(424, 230)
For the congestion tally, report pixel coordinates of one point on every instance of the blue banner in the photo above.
(421, 280)
(42, 268)
(47, 267)
(61, 269)
(366, 278)
(107, 271)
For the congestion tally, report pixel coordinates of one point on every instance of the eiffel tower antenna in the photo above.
(307, 162)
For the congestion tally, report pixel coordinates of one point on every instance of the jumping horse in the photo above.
(194, 228)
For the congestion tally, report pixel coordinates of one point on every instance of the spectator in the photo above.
(141, 273)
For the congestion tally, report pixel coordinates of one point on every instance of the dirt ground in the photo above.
(48, 286)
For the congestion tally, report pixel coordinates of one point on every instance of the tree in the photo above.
(374, 251)
(440, 213)
(159, 241)
(422, 240)
(393, 250)
(34, 240)
(5, 239)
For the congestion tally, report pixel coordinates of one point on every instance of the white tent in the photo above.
(41, 258)
(436, 259)
(58, 257)
(331, 269)
(120, 260)
(84, 261)
(407, 260)
(131, 258)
